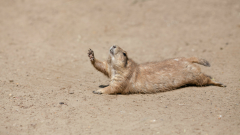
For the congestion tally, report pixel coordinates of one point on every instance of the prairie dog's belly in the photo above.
(164, 75)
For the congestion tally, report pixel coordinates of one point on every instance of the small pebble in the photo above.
(153, 121)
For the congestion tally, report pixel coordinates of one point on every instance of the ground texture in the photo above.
(46, 78)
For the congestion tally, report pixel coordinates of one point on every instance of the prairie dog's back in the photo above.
(165, 75)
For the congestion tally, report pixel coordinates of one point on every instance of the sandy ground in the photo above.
(43, 61)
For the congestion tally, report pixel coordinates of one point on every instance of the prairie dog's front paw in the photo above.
(97, 92)
(91, 54)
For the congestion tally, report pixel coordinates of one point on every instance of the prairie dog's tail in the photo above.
(199, 61)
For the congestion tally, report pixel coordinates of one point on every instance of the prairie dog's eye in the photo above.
(124, 54)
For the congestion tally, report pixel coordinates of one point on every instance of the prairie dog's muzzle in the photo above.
(112, 49)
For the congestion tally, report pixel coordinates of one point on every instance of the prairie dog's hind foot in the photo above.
(217, 84)
(91, 54)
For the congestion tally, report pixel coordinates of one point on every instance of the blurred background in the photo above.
(43, 61)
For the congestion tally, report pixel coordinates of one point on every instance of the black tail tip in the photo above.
(205, 63)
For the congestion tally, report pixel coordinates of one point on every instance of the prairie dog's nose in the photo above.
(114, 46)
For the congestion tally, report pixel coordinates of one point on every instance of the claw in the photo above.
(97, 92)
(222, 85)
(91, 54)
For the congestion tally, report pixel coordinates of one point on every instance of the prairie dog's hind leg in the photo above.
(217, 83)
(208, 80)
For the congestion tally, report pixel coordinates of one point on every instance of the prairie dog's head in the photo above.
(118, 56)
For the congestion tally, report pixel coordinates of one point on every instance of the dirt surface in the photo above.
(46, 79)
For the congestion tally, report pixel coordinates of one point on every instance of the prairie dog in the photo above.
(129, 77)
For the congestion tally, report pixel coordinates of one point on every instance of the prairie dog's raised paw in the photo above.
(91, 54)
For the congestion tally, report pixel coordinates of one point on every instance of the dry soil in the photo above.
(46, 79)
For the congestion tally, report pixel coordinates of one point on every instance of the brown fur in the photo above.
(129, 77)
